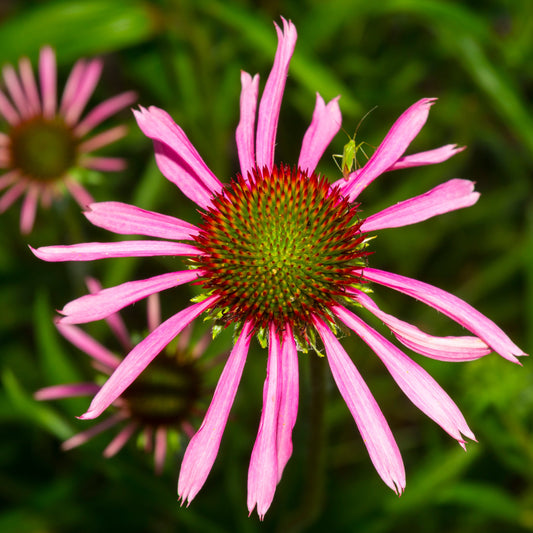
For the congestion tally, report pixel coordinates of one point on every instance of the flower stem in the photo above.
(313, 496)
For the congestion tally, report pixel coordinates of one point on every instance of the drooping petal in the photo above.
(451, 306)
(79, 193)
(89, 345)
(263, 471)
(91, 251)
(203, 447)
(399, 137)
(56, 392)
(72, 85)
(28, 210)
(141, 356)
(327, 120)
(442, 348)
(288, 407)
(48, 81)
(107, 301)
(267, 121)
(446, 197)
(12, 195)
(370, 421)
(103, 111)
(245, 132)
(429, 157)
(120, 440)
(414, 381)
(176, 157)
(130, 220)
(160, 451)
(84, 436)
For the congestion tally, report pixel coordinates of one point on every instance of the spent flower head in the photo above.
(44, 142)
(162, 403)
(282, 253)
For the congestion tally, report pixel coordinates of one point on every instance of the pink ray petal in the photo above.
(120, 440)
(12, 195)
(141, 356)
(57, 392)
(245, 132)
(160, 451)
(399, 137)
(8, 178)
(103, 111)
(16, 91)
(96, 306)
(451, 306)
(72, 85)
(103, 139)
(90, 251)
(130, 220)
(429, 157)
(263, 471)
(176, 157)
(114, 320)
(153, 312)
(79, 193)
(28, 210)
(368, 417)
(48, 80)
(8, 111)
(288, 408)
(449, 196)
(270, 105)
(451, 348)
(29, 86)
(203, 447)
(88, 345)
(86, 85)
(84, 436)
(327, 120)
(414, 381)
(442, 348)
(103, 164)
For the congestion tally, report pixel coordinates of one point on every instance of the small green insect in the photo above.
(348, 159)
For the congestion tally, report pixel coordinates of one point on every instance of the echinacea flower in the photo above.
(162, 402)
(43, 143)
(281, 253)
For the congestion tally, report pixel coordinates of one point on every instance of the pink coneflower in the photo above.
(42, 143)
(161, 402)
(281, 253)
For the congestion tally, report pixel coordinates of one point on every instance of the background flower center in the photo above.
(43, 149)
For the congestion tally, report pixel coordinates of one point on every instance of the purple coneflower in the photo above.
(281, 253)
(42, 143)
(160, 404)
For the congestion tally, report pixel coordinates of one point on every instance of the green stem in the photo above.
(313, 497)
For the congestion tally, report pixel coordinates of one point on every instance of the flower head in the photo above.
(281, 252)
(162, 402)
(43, 143)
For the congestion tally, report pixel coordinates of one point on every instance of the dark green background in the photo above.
(185, 56)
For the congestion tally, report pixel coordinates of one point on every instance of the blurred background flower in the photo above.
(186, 57)
(45, 142)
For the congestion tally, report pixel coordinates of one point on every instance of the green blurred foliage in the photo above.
(186, 56)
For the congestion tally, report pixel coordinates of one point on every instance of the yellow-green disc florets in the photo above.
(279, 248)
